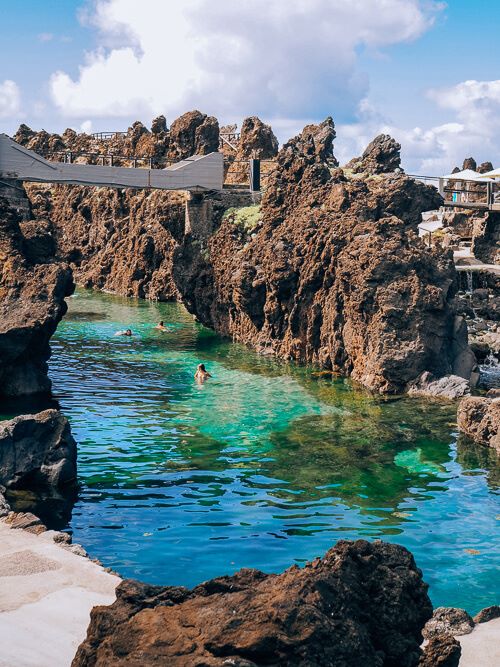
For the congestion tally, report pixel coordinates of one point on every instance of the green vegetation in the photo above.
(245, 219)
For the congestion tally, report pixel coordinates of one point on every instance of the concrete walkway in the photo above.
(46, 594)
(482, 647)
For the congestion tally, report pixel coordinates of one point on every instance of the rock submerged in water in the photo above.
(361, 604)
(479, 418)
(449, 387)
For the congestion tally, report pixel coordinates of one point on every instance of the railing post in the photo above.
(254, 175)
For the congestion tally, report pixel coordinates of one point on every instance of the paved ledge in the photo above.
(481, 648)
(46, 594)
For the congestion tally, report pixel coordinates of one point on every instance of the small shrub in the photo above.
(245, 219)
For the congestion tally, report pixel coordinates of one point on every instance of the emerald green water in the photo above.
(264, 466)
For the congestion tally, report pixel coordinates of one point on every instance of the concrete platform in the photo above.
(482, 647)
(46, 594)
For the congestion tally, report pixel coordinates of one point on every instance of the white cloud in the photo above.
(285, 59)
(472, 130)
(86, 126)
(45, 37)
(10, 99)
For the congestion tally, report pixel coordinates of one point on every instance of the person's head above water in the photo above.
(161, 323)
(128, 332)
(201, 367)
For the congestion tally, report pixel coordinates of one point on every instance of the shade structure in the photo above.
(466, 175)
(494, 174)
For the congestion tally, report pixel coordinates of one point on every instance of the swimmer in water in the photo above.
(161, 326)
(126, 332)
(201, 374)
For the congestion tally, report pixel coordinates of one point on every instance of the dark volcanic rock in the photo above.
(37, 450)
(118, 240)
(469, 163)
(381, 156)
(257, 140)
(448, 620)
(333, 274)
(159, 125)
(487, 614)
(479, 418)
(32, 293)
(441, 651)
(362, 604)
(194, 133)
(485, 167)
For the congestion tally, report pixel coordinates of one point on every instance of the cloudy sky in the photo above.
(425, 71)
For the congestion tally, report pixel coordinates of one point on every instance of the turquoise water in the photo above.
(264, 466)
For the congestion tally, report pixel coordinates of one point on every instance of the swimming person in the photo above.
(161, 326)
(126, 332)
(201, 374)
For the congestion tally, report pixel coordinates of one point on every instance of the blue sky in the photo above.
(398, 66)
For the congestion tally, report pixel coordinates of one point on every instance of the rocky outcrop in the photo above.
(362, 604)
(479, 418)
(449, 387)
(381, 156)
(487, 614)
(32, 293)
(332, 273)
(257, 140)
(193, 133)
(37, 450)
(441, 651)
(448, 620)
(118, 240)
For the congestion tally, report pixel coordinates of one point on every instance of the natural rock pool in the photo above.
(264, 466)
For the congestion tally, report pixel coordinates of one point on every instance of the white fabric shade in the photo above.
(495, 173)
(431, 226)
(467, 175)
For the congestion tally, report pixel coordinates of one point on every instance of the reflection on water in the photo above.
(263, 466)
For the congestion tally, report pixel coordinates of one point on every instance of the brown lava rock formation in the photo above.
(479, 418)
(32, 292)
(334, 272)
(364, 604)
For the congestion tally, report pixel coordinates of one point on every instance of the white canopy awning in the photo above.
(466, 175)
(431, 226)
(495, 173)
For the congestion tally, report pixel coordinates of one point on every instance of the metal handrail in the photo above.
(107, 135)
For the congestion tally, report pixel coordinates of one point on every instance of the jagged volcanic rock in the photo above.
(119, 240)
(190, 134)
(194, 133)
(479, 418)
(257, 140)
(441, 651)
(448, 620)
(333, 274)
(37, 450)
(32, 293)
(381, 156)
(362, 604)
